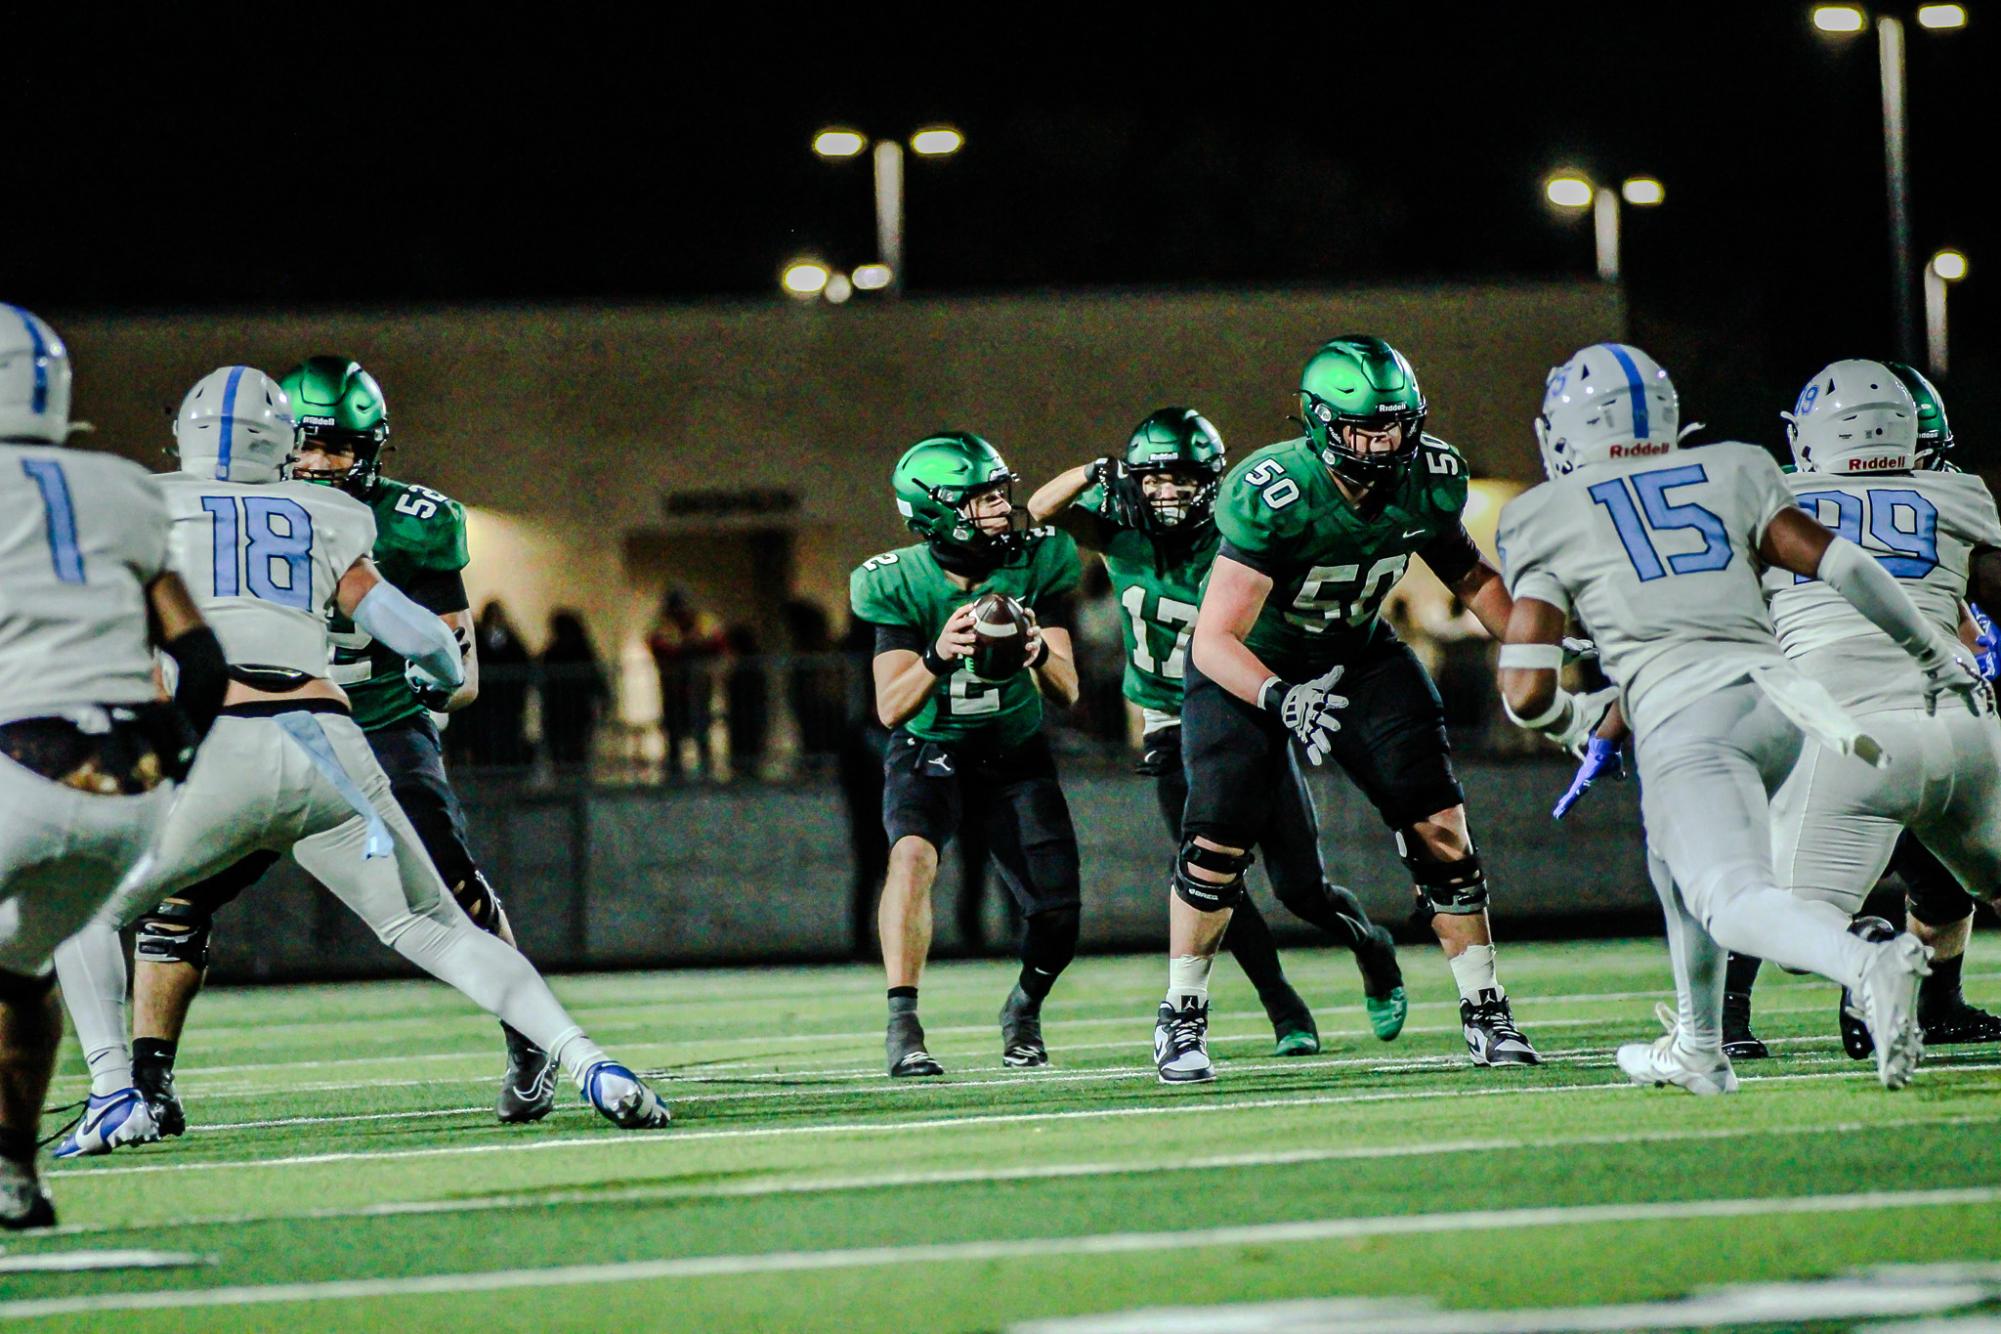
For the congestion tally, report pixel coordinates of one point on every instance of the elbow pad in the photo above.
(412, 632)
(1852, 572)
(201, 677)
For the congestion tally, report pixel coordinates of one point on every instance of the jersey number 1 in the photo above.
(281, 538)
(47, 475)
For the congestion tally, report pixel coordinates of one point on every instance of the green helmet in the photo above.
(1359, 380)
(1934, 431)
(935, 481)
(339, 405)
(1179, 440)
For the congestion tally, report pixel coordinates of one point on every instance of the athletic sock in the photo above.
(902, 1000)
(18, 1147)
(1188, 980)
(1034, 984)
(1742, 972)
(91, 967)
(155, 1052)
(1473, 970)
(1941, 990)
(576, 1053)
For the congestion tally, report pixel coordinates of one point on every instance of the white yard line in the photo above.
(1171, 1106)
(979, 1176)
(1031, 1248)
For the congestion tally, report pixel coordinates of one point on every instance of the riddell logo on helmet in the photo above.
(1642, 449)
(1882, 463)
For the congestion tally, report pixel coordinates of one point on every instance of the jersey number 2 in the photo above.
(47, 475)
(281, 538)
(1661, 515)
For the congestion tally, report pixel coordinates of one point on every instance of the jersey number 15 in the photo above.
(1655, 513)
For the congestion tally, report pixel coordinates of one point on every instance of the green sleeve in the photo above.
(1246, 522)
(1058, 567)
(873, 589)
(1445, 476)
(449, 547)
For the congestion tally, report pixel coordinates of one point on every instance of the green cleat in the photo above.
(1297, 1036)
(1386, 1015)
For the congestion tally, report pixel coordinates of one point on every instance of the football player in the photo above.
(287, 768)
(1937, 909)
(1315, 533)
(964, 747)
(1150, 514)
(1657, 552)
(420, 547)
(89, 758)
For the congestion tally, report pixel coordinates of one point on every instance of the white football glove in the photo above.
(1309, 712)
(1951, 671)
(1578, 650)
(1587, 712)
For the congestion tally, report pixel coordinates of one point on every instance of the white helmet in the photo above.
(1854, 417)
(34, 379)
(1610, 401)
(236, 424)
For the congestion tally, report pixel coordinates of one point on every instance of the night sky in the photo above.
(340, 156)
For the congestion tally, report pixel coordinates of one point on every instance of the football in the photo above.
(1000, 627)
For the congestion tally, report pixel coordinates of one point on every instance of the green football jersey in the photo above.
(906, 587)
(1330, 564)
(1158, 588)
(418, 533)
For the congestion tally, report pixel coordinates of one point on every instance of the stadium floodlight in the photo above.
(805, 278)
(1939, 17)
(1566, 190)
(1643, 191)
(1946, 268)
(838, 143)
(838, 288)
(872, 277)
(1838, 18)
(937, 141)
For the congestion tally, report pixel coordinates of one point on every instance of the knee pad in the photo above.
(1206, 895)
(177, 931)
(475, 895)
(1049, 940)
(1457, 888)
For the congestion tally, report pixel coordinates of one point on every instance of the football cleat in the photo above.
(1295, 1034)
(156, 1083)
(110, 1122)
(1848, 1015)
(1889, 997)
(1491, 1035)
(1739, 1042)
(623, 1098)
(904, 1044)
(1181, 1044)
(1021, 1031)
(23, 1202)
(1665, 1061)
(1954, 1025)
(1382, 983)
(528, 1089)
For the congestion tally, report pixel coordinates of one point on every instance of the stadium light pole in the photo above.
(1574, 191)
(1946, 267)
(887, 155)
(1848, 20)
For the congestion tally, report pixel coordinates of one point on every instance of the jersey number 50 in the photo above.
(280, 538)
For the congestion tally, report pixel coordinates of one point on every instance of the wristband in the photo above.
(1265, 698)
(1040, 656)
(935, 663)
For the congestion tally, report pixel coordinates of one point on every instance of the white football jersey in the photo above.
(1658, 558)
(263, 561)
(1924, 528)
(81, 536)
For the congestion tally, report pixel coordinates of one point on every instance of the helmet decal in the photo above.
(228, 422)
(40, 351)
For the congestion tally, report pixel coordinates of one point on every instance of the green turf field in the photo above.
(346, 1170)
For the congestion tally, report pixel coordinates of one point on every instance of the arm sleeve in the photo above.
(1870, 589)
(201, 677)
(411, 632)
(1451, 555)
(441, 591)
(890, 637)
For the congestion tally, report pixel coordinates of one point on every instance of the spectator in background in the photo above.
(685, 644)
(748, 698)
(492, 730)
(574, 692)
(815, 682)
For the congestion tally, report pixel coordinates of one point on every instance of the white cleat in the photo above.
(110, 1122)
(1181, 1044)
(1889, 997)
(1664, 1061)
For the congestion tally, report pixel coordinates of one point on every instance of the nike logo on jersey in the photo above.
(1413, 532)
